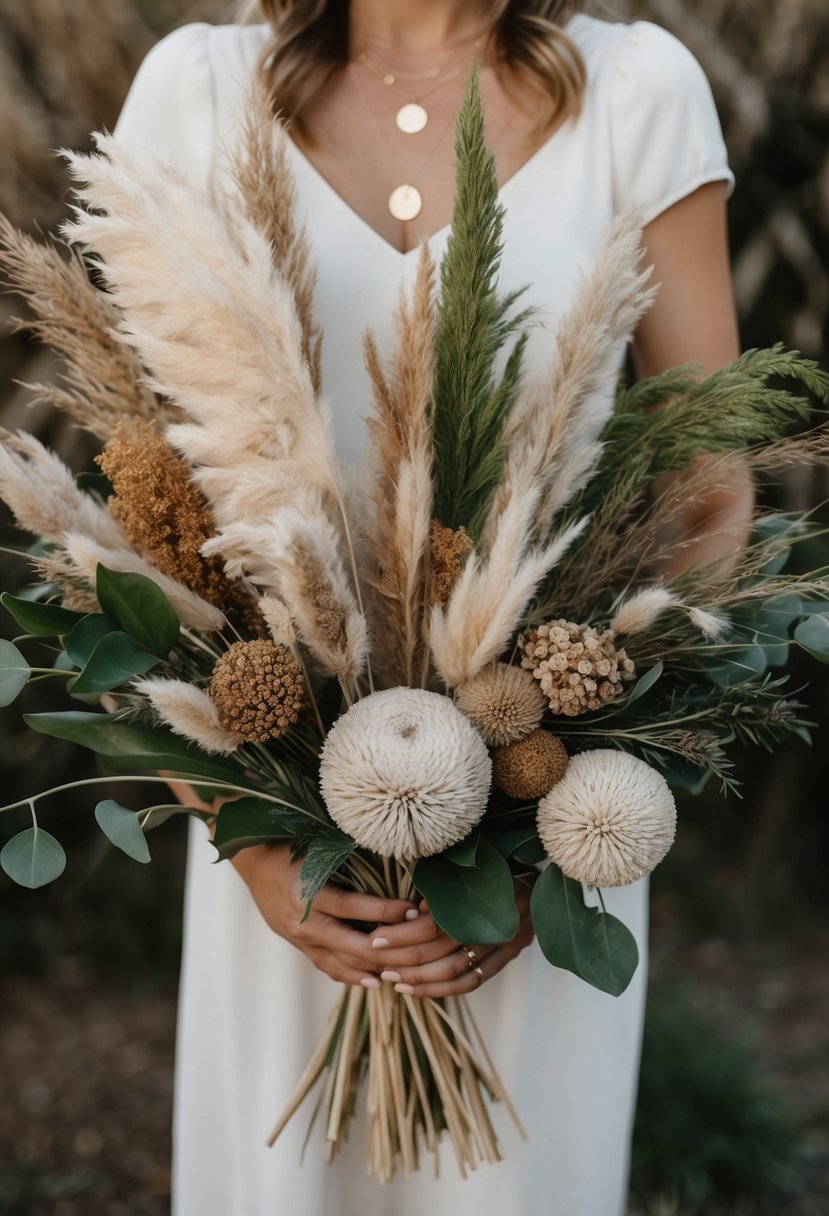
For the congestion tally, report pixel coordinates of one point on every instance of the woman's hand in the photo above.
(434, 964)
(333, 946)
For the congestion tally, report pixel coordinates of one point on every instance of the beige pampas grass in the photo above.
(397, 525)
(609, 821)
(404, 773)
(42, 494)
(294, 554)
(103, 375)
(189, 712)
(266, 185)
(86, 554)
(488, 602)
(552, 433)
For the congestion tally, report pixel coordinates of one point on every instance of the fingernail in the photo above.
(371, 981)
(379, 942)
(389, 975)
(412, 914)
(405, 989)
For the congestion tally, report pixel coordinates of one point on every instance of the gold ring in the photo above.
(471, 956)
(478, 971)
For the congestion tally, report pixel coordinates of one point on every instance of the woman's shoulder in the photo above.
(198, 48)
(635, 51)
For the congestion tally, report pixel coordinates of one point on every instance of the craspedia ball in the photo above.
(531, 766)
(609, 821)
(404, 773)
(258, 689)
(502, 702)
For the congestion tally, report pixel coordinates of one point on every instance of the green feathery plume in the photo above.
(468, 405)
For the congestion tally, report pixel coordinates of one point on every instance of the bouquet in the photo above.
(461, 671)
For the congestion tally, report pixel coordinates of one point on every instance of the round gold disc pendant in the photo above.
(405, 202)
(411, 118)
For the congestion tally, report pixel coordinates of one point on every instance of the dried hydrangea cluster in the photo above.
(258, 689)
(163, 513)
(404, 773)
(530, 767)
(578, 668)
(609, 821)
(448, 549)
(502, 702)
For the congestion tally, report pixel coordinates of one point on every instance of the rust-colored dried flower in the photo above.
(578, 668)
(258, 690)
(530, 767)
(503, 702)
(448, 549)
(166, 516)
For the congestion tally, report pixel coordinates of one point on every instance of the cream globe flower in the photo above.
(609, 820)
(404, 773)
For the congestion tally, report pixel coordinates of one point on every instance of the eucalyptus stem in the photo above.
(211, 783)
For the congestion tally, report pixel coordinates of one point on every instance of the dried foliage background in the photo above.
(745, 886)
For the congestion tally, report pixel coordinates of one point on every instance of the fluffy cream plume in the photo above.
(711, 625)
(261, 170)
(279, 621)
(42, 493)
(86, 554)
(103, 376)
(216, 324)
(294, 554)
(396, 527)
(552, 433)
(488, 602)
(189, 712)
(641, 609)
(57, 567)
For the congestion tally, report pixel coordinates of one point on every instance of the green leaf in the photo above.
(465, 851)
(140, 607)
(40, 620)
(95, 483)
(14, 672)
(592, 944)
(323, 857)
(738, 665)
(507, 840)
(470, 903)
(531, 852)
(113, 661)
(132, 747)
(249, 821)
(33, 858)
(122, 829)
(155, 816)
(813, 635)
(645, 682)
(87, 634)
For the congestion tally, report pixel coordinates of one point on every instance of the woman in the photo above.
(585, 116)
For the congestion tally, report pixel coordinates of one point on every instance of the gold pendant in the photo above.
(411, 118)
(405, 202)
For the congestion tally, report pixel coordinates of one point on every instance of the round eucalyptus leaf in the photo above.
(121, 828)
(14, 672)
(33, 858)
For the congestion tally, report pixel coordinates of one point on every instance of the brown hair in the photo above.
(311, 39)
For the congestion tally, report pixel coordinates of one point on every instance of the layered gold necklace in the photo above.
(406, 201)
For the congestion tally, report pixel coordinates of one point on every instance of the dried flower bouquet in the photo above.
(461, 673)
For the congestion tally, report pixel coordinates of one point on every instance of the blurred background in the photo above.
(734, 1104)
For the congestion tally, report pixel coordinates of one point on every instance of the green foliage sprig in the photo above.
(468, 405)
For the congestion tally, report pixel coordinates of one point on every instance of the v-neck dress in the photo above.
(251, 1006)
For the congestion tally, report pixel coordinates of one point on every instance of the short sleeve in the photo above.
(666, 138)
(169, 108)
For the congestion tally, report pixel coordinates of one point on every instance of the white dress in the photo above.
(251, 1006)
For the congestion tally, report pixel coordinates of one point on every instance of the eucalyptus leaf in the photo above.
(248, 821)
(645, 682)
(121, 828)
(140, 607)
(813, 635)
(33, 858)
(114, 660)
(470, 903)
(155, 816)
(14, 672)
(508, 840)
(737, 665)
(465, 851)
(40, 620)
(131, 747)
(86, 635)
(592, 944)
